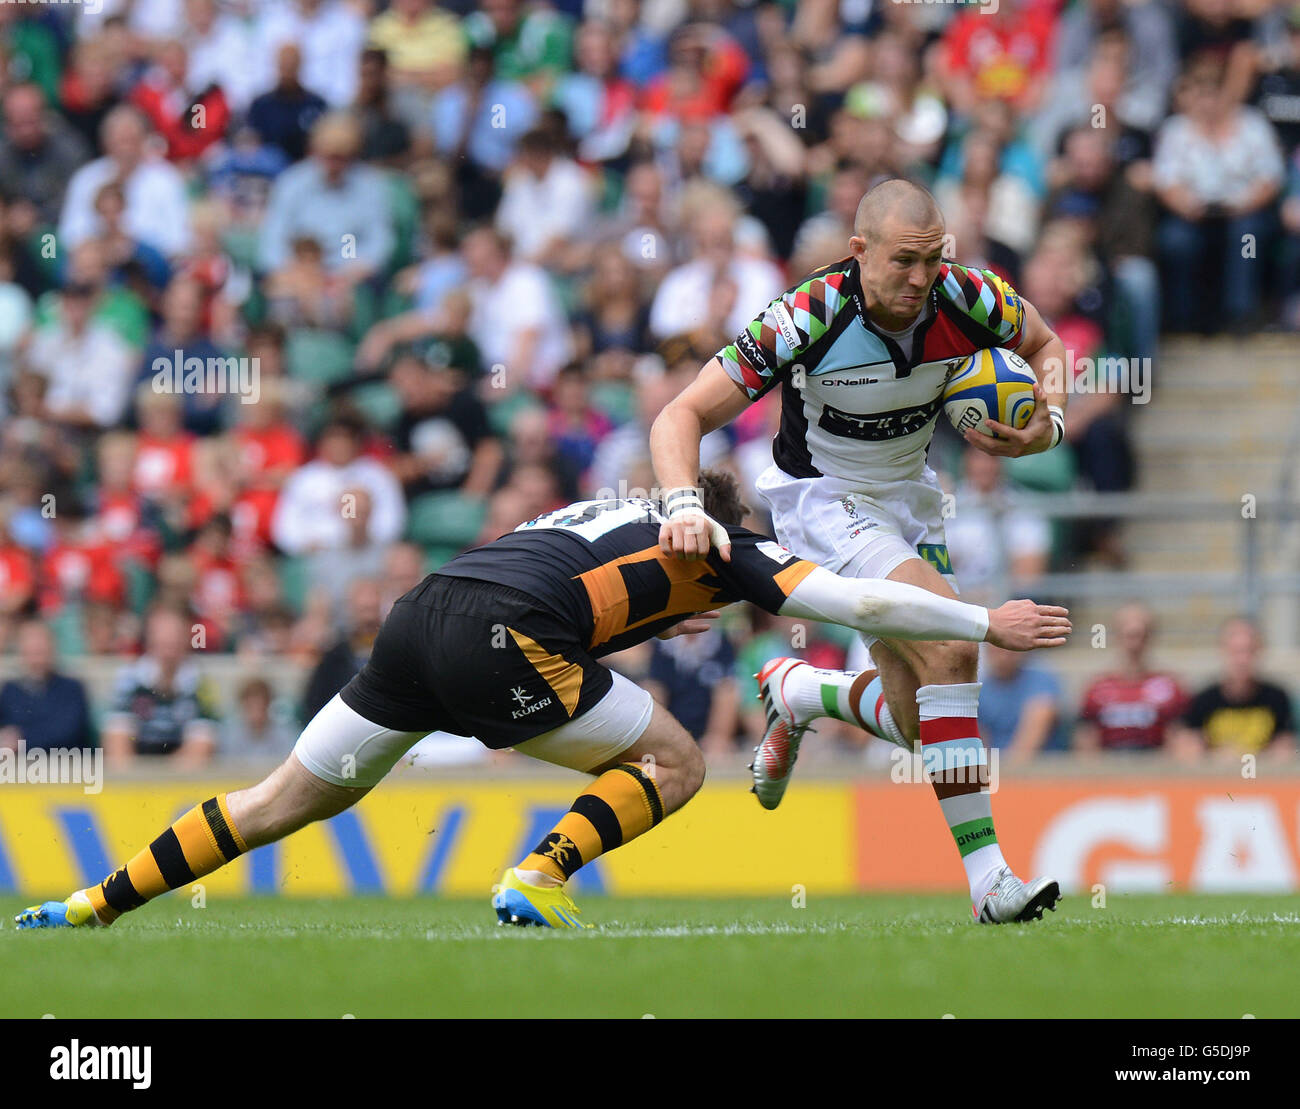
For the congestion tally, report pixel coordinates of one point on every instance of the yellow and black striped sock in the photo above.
(202, 840)
(620, 805)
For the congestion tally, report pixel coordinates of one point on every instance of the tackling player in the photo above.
(502, 643)
(861, 350)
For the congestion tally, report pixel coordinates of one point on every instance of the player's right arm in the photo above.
(711, 401)
(896, 610)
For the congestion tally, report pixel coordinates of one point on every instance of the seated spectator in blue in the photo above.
(477, 122)
(240, 175)
(691, 676)
(181, 329)
(41, 707)
(284, 116)
(1021, 705)
(337, 200)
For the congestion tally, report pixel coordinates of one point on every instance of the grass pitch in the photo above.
(872, 956)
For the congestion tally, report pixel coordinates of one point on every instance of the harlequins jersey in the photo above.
(854, 405)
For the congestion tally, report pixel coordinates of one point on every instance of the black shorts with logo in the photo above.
(478, 659)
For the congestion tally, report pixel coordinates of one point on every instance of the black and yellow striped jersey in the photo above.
(599, 565)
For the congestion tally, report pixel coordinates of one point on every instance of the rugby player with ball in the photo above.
(863, 350)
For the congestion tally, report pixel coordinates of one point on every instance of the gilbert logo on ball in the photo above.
(991, 384)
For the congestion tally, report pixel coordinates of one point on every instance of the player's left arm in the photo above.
(1042, 348)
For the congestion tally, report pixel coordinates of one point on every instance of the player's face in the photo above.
(898, 265)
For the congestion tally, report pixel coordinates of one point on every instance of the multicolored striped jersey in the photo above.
(855, 403)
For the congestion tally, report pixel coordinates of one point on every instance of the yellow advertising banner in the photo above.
(1132, 835)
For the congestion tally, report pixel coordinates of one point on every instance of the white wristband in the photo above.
(685, 499)
(1058, 424)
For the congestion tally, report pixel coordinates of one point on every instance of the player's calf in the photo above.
(206, 838)
(632, 793)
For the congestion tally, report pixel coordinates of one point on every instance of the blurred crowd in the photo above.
(299, 298)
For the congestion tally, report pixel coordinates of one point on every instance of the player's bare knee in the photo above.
(693, 771)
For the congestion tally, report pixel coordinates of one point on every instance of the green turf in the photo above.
(860, 956)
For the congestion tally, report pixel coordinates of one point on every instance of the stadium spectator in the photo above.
(88, 90)
(164, 457)
(443, 438)
(255, 732)
(157, 210)
(189, 120)
(598, 101)
(181, 335)
(340, 510)
(222, 52)
(476, 123)
(425, 51)
(333, 199)
(546, 202)
(1132, 707)
(1220, 33)
(348, 654)
(132, 262)
(692, 676)
(41, 707)
(1109, 200)
(576, 426)
(993, 543)
(163, 705)
(285, 114)
(304, 293)
(89, 367)
(1002, 53)
(38, 154)
(1009, 205)
(1242, 713)
(516, 319)
(1217, 170)
(1277, 94)
(385, 137)
(330, 33)
(719, 285)
(615, 315)
(532, 46)
(1108, 92)
(1022, 705)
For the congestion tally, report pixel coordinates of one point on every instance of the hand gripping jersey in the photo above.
(854, 404)
(598, 566)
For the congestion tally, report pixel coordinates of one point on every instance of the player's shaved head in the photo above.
(896, 202)
(898, 243)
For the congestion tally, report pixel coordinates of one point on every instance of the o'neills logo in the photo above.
(972, 837)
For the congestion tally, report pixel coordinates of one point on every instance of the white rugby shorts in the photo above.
(857, 533)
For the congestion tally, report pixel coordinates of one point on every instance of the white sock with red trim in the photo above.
(952, 752)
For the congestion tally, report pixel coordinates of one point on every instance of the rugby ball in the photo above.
(992, 384)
